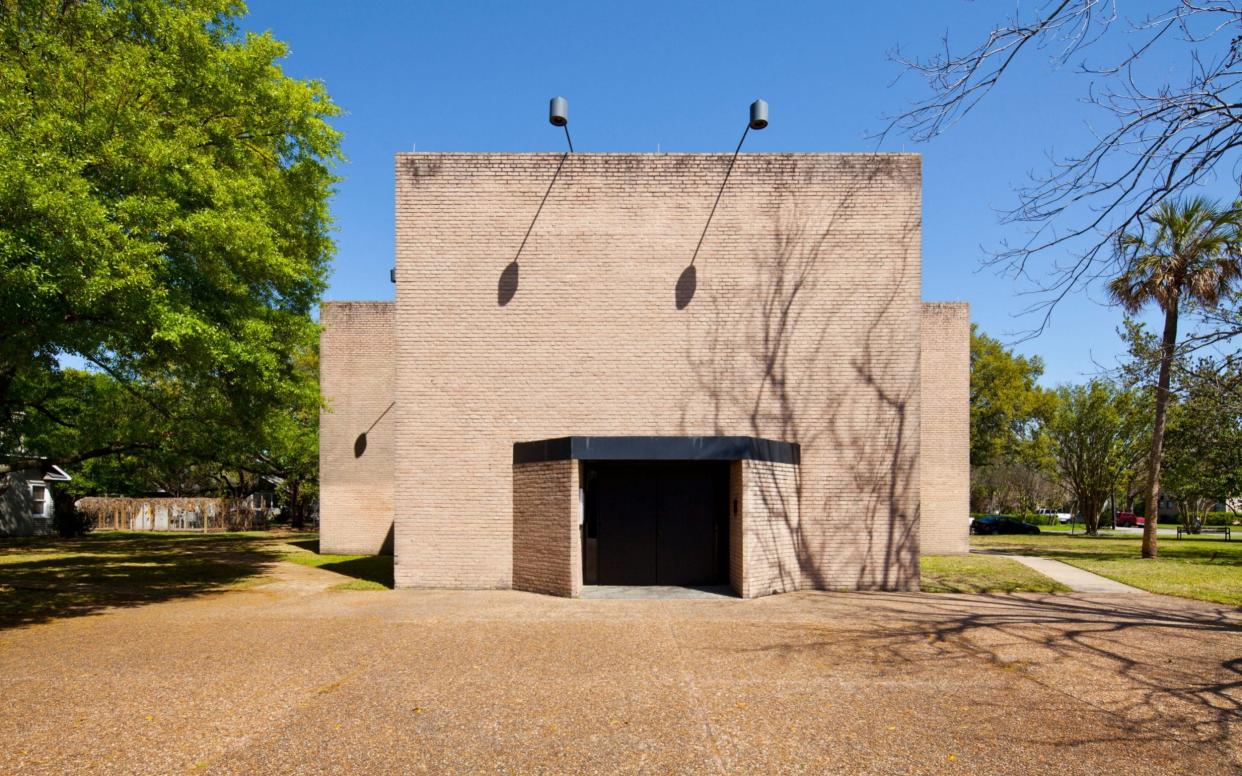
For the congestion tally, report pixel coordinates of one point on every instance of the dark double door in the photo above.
(656, 523)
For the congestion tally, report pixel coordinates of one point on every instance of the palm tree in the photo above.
(1193, 257)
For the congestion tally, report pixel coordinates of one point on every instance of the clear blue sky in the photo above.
(474, 76)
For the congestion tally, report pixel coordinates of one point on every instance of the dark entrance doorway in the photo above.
(656, 523)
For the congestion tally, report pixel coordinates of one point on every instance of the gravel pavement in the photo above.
(290, 677)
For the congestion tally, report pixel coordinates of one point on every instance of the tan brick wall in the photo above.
(356, 368)
(945, 456)
(803, 326)
(547, 548)
(770, 529)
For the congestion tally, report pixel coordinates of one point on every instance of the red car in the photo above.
(1129, 518)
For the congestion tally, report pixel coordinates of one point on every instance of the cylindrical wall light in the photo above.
(558, 111)
(758, 114)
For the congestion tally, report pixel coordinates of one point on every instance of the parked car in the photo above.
(1001, 524)
(1062, 517)
(1129, 519)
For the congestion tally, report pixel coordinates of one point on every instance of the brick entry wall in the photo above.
(356, 429)
(944, 460)
(547, 550)
(765, 530)
(797, 320)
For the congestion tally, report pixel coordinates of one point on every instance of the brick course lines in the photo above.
(770, 530)
(802, 325)
(547, 549)
(944, 460)
(356, 369)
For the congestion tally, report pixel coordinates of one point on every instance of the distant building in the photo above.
(26, 507)
(1169, 507)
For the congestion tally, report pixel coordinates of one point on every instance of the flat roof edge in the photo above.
(661, 153)
(656, 448)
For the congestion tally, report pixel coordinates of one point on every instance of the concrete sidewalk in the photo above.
(1075, 578)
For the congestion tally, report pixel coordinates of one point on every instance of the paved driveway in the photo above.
(292, 678)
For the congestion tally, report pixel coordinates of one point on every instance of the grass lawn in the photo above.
(1205, 569)
(369, 572)
(1077, 528)
(43, 578)
(982, 574)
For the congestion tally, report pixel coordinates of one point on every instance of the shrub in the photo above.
(1221, 518)
(67, 519)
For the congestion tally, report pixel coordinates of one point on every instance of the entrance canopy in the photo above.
(663, 510)
(656, 448)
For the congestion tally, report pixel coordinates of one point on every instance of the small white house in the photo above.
(26, 500)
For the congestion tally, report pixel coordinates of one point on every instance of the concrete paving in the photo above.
(1129, 531)
(292, 677)
(1074, 578)
(657, 592)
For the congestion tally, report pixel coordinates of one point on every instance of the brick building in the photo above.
(583, 381)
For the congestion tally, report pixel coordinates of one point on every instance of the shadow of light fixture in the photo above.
(507, 284)
(687, 282)
(360, 444)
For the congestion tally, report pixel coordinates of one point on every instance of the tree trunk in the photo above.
(296, 519)
(1093, 504)
(1168, 343)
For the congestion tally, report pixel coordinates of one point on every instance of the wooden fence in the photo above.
(171, 514)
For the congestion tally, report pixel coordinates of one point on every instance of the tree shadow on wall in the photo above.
(775, 360)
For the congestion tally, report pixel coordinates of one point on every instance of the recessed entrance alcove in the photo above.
(681, 511)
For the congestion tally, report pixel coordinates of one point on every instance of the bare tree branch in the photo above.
(1159, 138)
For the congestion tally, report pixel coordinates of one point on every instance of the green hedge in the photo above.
(1211, 518)
(1221, 518)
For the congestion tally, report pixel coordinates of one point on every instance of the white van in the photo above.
(1062, 517)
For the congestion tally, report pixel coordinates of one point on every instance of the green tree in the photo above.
(193, 459)
(1007, 412)
(163, 219)
(1091, 433)
(1190, 255)
(1007, 405)
(1203, 461)
(286, 449)
(1137, 376)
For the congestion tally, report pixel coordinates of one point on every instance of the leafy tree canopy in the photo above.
(1092, 434)
(163, 218)
(1204, 446)
(1190, 254)
(1007, 405)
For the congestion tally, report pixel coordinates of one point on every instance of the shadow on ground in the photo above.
(1172, 667)
(372, 568)
(43, 578)
(1209, 551)
(367, 572)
